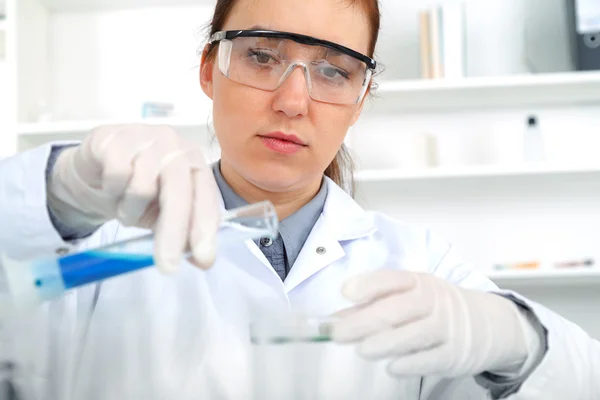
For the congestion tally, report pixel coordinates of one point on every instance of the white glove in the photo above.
(427, 326)
(146, 176)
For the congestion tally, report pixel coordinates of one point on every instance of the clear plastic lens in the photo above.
(262, 63)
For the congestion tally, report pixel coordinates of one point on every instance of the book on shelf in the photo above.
(442, 37)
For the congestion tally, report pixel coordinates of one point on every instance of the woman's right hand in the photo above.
(147, 176)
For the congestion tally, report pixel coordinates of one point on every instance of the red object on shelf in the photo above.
(518, 266)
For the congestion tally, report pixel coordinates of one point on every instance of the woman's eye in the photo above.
(329, 72)
(262, 57)
(333, 73)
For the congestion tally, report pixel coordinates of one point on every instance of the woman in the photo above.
(287, 79)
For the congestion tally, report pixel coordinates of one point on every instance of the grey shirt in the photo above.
(293, 230)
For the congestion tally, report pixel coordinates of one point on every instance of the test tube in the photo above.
(32, 282)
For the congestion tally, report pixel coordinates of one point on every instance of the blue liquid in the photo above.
(92, 266)
(120, 258)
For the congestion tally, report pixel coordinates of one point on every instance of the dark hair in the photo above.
(341, 169)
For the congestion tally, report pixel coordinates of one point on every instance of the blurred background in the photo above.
(485, 126)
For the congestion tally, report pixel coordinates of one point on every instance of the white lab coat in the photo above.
(185, 336)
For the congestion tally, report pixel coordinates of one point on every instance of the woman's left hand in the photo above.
(427, 326)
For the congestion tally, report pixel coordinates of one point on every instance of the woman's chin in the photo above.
(277, 179)
(274, 175)
(275, 183)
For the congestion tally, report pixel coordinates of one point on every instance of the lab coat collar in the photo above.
(342, 220)
(347, 220)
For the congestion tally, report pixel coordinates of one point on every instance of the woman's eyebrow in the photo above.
(259, 28)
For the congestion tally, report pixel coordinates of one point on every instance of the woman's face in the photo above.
(243, 115)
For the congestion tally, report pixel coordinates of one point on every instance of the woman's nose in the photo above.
(292, 97)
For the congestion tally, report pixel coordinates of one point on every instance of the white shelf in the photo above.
(36, 134)
(567, 277)
(569, 88)
(88, 5)
(386, 175)
(84, 126)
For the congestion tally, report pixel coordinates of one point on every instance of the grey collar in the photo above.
(294, 229)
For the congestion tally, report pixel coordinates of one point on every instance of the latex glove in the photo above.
(427, 326)
(147, 176)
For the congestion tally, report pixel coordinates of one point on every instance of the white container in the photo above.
(533, 142)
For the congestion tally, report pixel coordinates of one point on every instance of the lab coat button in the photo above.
(321, 250)
(61, 251)
(266, 241)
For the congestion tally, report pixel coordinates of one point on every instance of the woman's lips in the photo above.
(281, 145)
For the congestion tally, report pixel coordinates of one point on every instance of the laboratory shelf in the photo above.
(31, 135)
(90, 5)
(84, 126)
(482, 171)
(565, 88)
(566, 277)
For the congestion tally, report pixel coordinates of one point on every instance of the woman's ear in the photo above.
(206, 73)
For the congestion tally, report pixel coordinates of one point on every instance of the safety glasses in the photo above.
(264, 59)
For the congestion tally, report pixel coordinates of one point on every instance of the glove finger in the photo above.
(382, 315)
(206, 216)
(371, 286)
(92, 152)
(434, 361)
(141, 191)
(175, 203)
(116, 157)
(414, 337)
(347, 312)
(150, 216)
